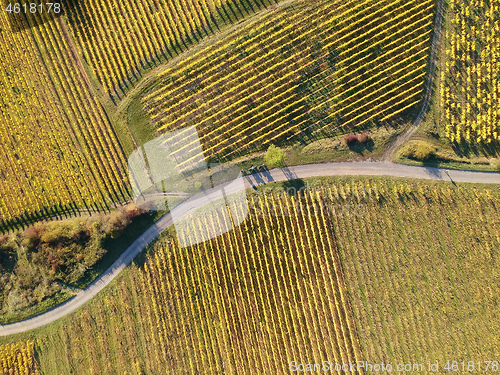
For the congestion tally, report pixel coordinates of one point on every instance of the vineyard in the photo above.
(58, 152)
(343, 272)
(18, 359)
(422, 269)
(318, 66)
(469, 90)
(295, 69)
(250, 301)
(119, 40)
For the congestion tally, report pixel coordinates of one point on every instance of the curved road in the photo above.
(364, 168)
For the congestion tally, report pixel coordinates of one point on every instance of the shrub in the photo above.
(350, 140)
(274, 157)
(419, 150)
(33, 234)
(51, 237)
(424, 151)
(364, 138)
(4, 238)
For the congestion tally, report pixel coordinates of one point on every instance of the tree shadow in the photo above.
(267, 175)
(360, 148)
(294, 187)
(432, 170)
(8, 259)
(468, 149)
(289, 174)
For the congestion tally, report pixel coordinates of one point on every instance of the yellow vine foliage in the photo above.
(469, 89)
(18, 359)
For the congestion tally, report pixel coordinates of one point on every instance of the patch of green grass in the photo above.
(334, 148)
(41, 307)
(138, 123)
(444, 155)
(441, 163)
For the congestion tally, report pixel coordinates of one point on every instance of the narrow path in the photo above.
(403, 138)
(73, 50)
(302, 171)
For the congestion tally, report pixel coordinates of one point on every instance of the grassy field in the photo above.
(344, 271)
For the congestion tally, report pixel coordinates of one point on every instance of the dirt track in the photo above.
(389, 152)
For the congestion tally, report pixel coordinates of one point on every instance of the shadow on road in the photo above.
(258, 179)
(289, 174)
(433, 171)
(267, 175)
(249, 179)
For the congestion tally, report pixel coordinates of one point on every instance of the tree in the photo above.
(364, 138)
(274, 157)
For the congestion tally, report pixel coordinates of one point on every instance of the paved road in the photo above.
(314, 170)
